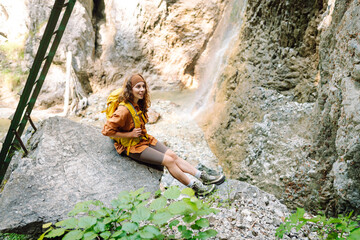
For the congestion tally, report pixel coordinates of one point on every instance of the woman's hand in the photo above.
(136, 132)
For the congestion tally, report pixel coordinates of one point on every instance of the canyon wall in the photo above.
(286, 103)
(110, 40)
(337, 110)
(266, 93)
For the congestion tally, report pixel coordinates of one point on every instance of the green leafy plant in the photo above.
(136, 215)
(342, 227)
(13, 236)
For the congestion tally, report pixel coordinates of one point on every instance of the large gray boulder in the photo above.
(67, 163)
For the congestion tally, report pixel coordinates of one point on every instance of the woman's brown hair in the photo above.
(127, 94)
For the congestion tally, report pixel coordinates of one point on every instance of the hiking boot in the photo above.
(201, 190)
(209, 179)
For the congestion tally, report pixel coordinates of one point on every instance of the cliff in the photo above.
(287, 103)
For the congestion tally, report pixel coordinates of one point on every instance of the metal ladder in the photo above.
(34, 82)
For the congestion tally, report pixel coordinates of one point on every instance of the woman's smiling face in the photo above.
(139, 91)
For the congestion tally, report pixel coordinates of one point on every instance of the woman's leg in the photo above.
(175, 171)
(181, 163)
(176, 166)
(153, 156)
(186, 167)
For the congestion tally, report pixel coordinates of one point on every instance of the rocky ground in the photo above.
(246, 212)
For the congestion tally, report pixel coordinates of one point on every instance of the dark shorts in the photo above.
(152, 155)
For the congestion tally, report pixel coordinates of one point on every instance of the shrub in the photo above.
(134, 216)
(13, 236)
(326, 228)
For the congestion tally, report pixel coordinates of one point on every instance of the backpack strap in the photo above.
(137, 122)
(133, 113)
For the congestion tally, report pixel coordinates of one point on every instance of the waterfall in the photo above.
(214, 58)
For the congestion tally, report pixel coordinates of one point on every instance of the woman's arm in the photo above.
(118, 126)
(136, 132)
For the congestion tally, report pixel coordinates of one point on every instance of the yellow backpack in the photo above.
(112, 104)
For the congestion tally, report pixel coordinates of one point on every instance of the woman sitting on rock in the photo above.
(127, 127)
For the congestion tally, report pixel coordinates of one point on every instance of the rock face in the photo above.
(288, 126)
(67, 163)
(264, 96)
(337, 139)
(162, 39)
(78, 38)
(110, 40)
